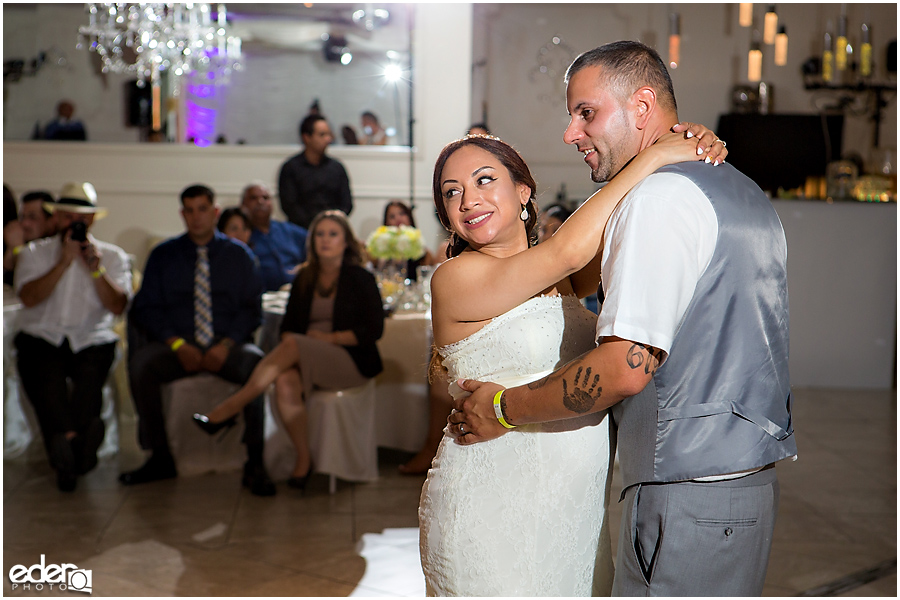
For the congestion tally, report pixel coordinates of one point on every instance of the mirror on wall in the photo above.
(351, 62)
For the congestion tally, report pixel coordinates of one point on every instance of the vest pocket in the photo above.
(729, 522)
(693, 411)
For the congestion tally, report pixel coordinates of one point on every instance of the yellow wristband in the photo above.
(177, 344)
(98, 273)
(17, 250)
(498, 411)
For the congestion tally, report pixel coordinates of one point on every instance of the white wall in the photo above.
(842, 283)
(528, 109)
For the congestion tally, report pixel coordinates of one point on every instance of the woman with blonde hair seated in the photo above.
(333, 318)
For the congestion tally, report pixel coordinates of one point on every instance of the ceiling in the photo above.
(297, 27)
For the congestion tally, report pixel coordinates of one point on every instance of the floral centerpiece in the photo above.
(396, 243)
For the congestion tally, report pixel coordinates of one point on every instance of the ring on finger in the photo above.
(723, 142)
(462, 428)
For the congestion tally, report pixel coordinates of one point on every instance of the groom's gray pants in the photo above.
(697, 539)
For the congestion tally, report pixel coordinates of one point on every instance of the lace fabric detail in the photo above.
(522, 515)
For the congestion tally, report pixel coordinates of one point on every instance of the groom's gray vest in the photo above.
(721, 402)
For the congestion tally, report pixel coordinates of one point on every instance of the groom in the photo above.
(693, 347)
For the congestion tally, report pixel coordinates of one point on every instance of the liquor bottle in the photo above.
(865, 52)
(828, 58)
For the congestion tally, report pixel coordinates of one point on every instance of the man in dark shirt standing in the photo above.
(199, 305)
(311, 182)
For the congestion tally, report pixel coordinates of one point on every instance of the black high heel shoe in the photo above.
(299, 483)
(203, 422)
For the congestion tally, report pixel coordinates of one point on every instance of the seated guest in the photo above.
(72, 287)
(398, 213)
(37, 221)
(280, 246)
(333, 319)
(235, 223)
(34, 222)
(199, 305)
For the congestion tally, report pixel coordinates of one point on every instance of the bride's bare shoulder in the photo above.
(459, 269)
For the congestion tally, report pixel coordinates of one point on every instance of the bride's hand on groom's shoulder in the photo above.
(475, 413)
(709, 147)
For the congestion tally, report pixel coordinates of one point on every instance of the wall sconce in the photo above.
(745, 15)
(754, 63)
(781, 46)
(674, 40)
(770, 25)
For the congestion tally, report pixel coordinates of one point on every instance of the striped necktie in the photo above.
(203, 330)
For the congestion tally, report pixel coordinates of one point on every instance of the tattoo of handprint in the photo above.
(585, 393)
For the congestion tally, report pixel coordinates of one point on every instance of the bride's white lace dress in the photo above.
(522, 515)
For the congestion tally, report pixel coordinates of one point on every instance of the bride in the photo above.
(524, 514)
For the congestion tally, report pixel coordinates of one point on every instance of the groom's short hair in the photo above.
(627, 66)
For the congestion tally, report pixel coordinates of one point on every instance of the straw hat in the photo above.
(78, 198)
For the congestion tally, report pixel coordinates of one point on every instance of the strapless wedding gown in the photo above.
(525, 514)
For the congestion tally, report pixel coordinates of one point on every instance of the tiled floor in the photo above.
(205, 536)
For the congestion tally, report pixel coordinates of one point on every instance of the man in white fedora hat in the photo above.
(72, 286)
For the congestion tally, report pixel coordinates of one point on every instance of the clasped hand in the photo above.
(473, 419)
(193, 359)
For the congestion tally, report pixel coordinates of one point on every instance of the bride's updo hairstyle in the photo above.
(514, 164)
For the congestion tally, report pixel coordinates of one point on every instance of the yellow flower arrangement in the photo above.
(396, 243)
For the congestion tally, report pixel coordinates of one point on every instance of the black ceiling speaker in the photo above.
(334, 47)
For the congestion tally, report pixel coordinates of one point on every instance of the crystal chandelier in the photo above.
(147, 39)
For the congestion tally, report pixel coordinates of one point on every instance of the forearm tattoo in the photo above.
(584, 393)
(647, 357)
(581, 392)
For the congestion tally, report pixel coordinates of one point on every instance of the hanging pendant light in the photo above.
(770, 25)
(781, 46)
(754, 63)
(674, 40)
(745, 14)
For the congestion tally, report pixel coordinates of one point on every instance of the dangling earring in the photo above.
(524, 214)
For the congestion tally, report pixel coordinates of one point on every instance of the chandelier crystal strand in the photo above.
(146, 39)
